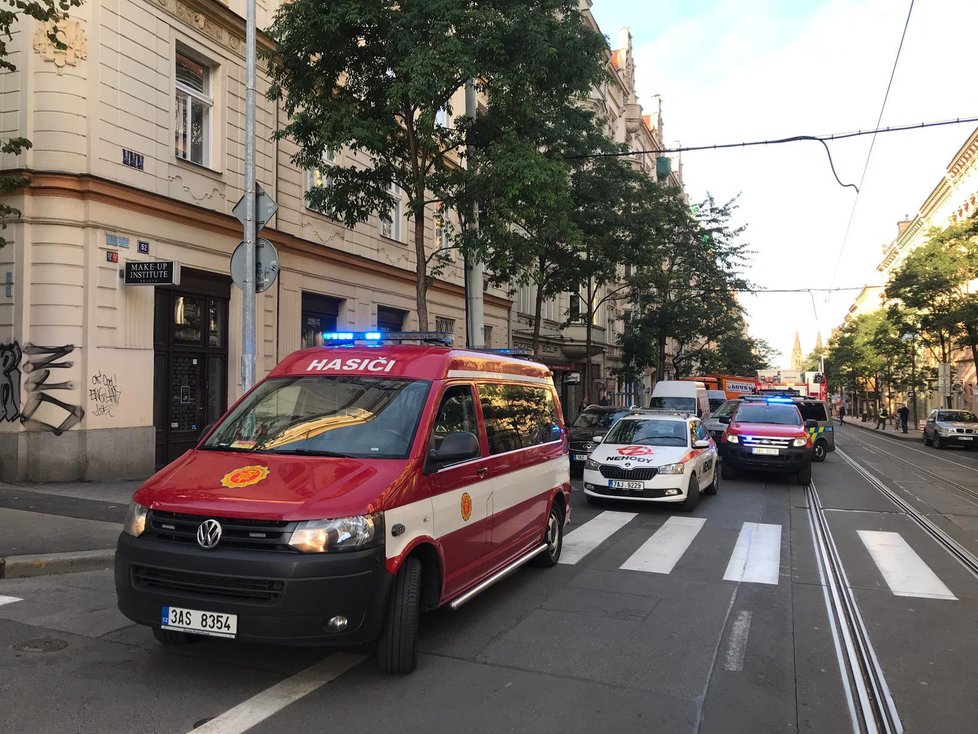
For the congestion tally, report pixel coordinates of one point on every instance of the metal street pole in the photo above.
(248, 304)
(474, 270)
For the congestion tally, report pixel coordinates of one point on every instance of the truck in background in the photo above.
(732, 386)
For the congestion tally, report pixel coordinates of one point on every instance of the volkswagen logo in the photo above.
(209, 534)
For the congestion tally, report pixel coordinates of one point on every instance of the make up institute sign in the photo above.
(156, 272)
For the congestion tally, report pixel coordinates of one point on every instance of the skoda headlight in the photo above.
(591, 464)
(339, 534)
(798, 442)
(672, 469)
(135, 522)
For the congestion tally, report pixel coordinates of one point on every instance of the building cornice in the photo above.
(89, 188)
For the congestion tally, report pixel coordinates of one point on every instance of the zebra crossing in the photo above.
(756, 556)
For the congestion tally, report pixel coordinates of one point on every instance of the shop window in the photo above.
(390, 319)
(194, 102)
(188, 319)
(319, 314)
(487, 336)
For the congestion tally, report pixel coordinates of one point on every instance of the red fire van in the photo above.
(354, 487)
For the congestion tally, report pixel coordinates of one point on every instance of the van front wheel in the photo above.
(818, 452)
(554, 539)
(397, 648)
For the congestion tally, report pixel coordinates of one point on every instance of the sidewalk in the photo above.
(911, 435)
(60, 527)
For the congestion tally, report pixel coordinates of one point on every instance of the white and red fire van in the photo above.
(354, 487)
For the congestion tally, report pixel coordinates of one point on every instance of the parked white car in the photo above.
(653, 456)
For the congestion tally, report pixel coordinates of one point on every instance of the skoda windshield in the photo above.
(357, 417)
(649, 432)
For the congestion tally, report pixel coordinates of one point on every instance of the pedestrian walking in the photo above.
(904, 413)
(842, 415)
(881, 417)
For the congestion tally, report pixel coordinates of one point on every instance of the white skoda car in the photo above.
(653, 456)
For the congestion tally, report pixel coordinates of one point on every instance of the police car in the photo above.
(653, 456)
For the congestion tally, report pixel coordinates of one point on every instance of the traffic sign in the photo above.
(944, 379)
(265, 208)
(266, 265)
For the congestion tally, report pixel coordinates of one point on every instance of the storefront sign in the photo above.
(162, 272)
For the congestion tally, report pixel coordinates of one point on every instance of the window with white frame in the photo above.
(525, 300)
(390, 226)
(445, 324)
(319, 178)
(443, 228)
(442, 118)
(194, 102)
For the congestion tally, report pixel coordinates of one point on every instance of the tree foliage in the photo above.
(11, 12)
(686, 292)
(372, 77)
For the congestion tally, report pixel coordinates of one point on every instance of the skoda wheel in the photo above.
(818, 451)
(692, 495)
(397, 648)
(714, 486)
(554, 539)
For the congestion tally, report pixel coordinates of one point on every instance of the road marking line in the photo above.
(8, 600)
(737, 646)
(904, 571)
(757, 556)
(661, 552)
(581, 541)
(258, 708)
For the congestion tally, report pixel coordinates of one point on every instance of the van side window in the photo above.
(456, 413)
(518, 416)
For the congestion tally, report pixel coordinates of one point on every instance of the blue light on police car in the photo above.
(338, 336)
(373, 336)
(786, 401)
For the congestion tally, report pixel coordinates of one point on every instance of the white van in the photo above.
(680, 395)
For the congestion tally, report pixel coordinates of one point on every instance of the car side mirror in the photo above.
(725, 419)
(811, 423)
(456, 446)
(597, 439)
(701, 444)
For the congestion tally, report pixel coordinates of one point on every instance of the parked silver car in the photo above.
(945, 427)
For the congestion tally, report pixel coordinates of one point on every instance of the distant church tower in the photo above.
(797, 358)
(818, 342)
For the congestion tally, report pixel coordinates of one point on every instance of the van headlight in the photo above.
(135, 522)
(339, 534)
(799, 442)
(672, 469)
(732, 438)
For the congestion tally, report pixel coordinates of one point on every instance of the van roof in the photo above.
(408, 361)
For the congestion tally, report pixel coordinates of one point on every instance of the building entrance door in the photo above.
(191, 360)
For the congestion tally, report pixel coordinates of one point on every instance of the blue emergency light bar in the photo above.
(786, 401)
(379, 337)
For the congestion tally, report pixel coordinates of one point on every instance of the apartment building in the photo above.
(138, 143)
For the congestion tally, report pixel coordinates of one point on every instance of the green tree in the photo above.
(687, 292)
(373, 77)
(43, 11)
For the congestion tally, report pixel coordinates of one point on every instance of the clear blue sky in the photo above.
(738, 70)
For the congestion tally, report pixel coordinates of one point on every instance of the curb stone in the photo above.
(43, 564)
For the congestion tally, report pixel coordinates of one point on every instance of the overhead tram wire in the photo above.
(869, 154)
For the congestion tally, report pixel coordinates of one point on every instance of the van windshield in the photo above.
(671, 403)
(325, 416)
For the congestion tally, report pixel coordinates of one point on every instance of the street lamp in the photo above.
(911, 336)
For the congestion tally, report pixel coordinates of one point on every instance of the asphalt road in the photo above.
(712, 621)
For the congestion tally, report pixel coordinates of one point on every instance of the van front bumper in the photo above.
(282, 598)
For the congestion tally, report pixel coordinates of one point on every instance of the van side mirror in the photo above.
(725, 419)
(811, 423)
(456, 446)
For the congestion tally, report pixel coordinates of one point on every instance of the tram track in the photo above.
(970, 493)
(871, 706)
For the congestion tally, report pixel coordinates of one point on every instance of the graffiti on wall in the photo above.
(41, 411)
(104, 394)
(10, 382)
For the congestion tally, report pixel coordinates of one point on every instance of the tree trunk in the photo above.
(588, 376)
(660, 362)
(421, 271)
(537, 308)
